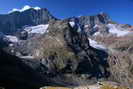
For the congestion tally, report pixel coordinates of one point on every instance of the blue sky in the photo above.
(119, 10)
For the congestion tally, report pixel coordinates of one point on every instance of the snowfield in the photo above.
(13, 39)
(41, 29)
(118, 32)
(96, 45)
(26, 7)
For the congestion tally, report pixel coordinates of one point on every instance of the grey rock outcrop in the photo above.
(92, 24)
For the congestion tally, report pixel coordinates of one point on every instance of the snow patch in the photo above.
(96, 33)
(86, 26)
(37, 8)
(96, 45)
(26, 57)
(118, 32)
(41, 29)
(13, 39)
(26, 7)
(95, 26)
(72, 23)
(13, 10)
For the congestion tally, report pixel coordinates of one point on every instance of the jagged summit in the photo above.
(70, 52)
(100, 18)
(26, 7)
(26, 16)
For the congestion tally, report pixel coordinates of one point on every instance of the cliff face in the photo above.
(71, 52)
(93, 24)
(63, 55)
(101, 18)
(10, 23)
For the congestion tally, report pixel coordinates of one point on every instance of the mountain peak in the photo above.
(26, 16)
(26, 7)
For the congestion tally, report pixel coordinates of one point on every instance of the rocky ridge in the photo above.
(15, 21)
(71, 52)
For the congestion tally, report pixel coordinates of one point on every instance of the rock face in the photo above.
(12, 22)
(90, 23)
(101, 25)
(15, 74)
(101, 18)
(64, 53)
(60, 52)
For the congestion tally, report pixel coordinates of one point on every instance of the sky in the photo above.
(120, 11)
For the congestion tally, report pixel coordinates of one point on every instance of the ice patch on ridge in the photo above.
(37, 8)
(10, 38)
(72, 23)
(41, 29)
(118, 32)
(96, 45)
